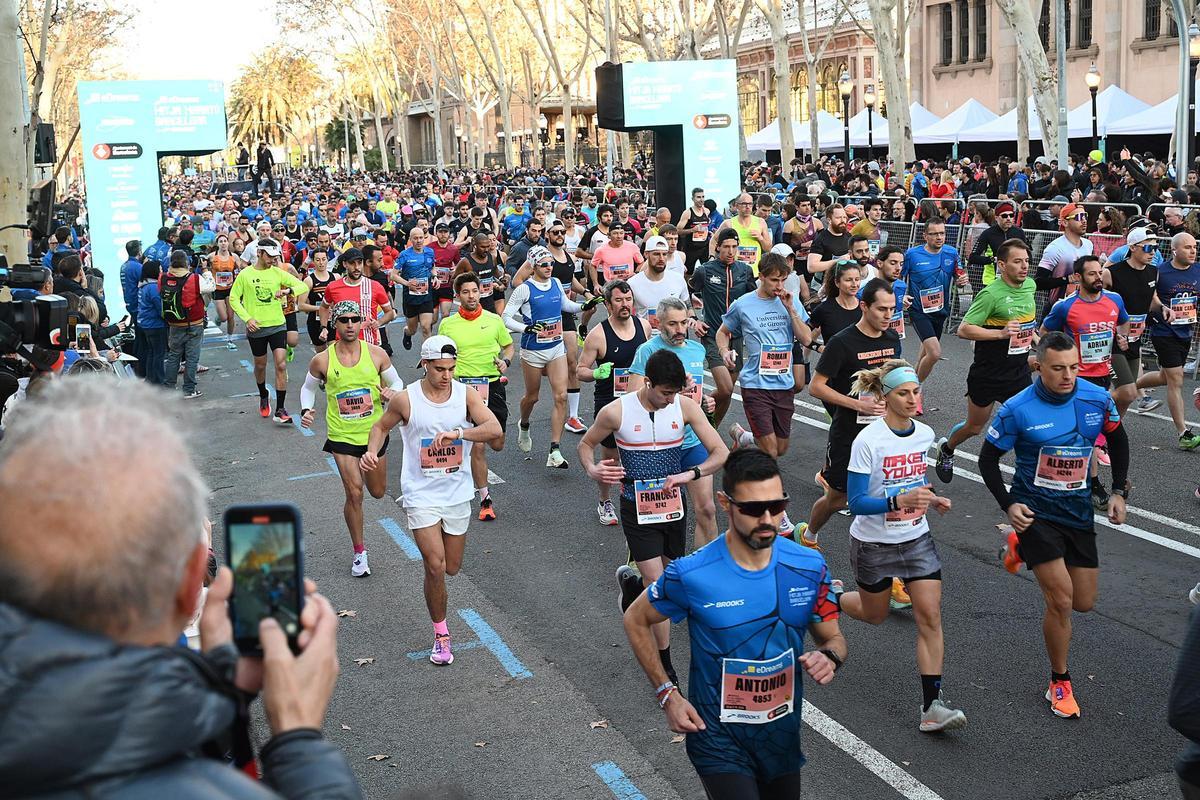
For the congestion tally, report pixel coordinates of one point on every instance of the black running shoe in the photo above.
(945, 462)
(630, 585)
(407, 341)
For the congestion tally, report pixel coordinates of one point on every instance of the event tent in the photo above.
(970, 114)
(829, 128)
(1159, 119)
(1112, 105)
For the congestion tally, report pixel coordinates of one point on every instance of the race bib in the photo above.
(1095, 348)
(903, 519)
(652, 318)
(1137, 326)
(747, 255)
(656, 503)
(1064, 469)
(480, 385)
(696, 390)
(873, 246)
(552, 332)
(700, 234)
(620, 379)
(756, 692)
(932, 300)
(897, 325)
(223, 280)
(354, 404)
(865, 419)
(1183, 308)
(485, 286)
(617, 272)
(418, 286)
(443, 275)
(1020, 342)
(444, 460)
(775, 359)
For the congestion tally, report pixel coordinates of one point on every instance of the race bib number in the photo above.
(700, 234)
(1137, 326)
(903, 519)
(1064, 469)
(1183, 308)
(866, 419)
(656, 503)
(933, 300)
(652, 318)
(354, 404)
(1020, 342)
(444, 460)
(443, 275)
(620, 379)
(696, 388)
(757, 692)
(1095, 348)
(873, 246)
(775, 359)
(617, 272)
(747, 255)
(897, 325)
(418, 286)
(552, 332)
(480, 385)
(289, 304)
(223, 280)
(486, 286)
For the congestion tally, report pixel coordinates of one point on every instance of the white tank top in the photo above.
(435, 477)
(650, 448)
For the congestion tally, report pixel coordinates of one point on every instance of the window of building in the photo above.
(800, 94)
(1044, 24)
(828, 99)
(748, 90)
(981, 29)
(1152, 19)
(1084, 28)
(947, 23)
(964, 31)
(1067, 12)
(1172, 27)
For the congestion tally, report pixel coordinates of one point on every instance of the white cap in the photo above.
(1138, 236)
(439, 346)
(784, 250)
(657, 243)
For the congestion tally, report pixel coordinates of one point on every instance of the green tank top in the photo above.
(352, 397)
(748, 247)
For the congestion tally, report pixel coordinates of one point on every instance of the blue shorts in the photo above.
(763, 751)
(693, 457)
(929, 326)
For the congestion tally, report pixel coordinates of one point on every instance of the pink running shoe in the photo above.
(441, 654)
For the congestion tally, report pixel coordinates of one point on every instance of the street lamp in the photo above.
(1092, 79)
(1193, 60)
(869, 98)
(543, 136)
(845, 87)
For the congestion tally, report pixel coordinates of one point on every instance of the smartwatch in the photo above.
(832, 656)
(697, 473)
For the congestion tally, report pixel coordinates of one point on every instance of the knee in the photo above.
(377, 492)
(1083, 604)
(435, 568)
(1059, 602)
(496, 444)
(705, 508)
(560, 396)
(354, 495)
(452, 568)
(875, 616)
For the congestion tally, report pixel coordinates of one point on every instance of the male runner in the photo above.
(988, 243)
(445, 258)
(655, 281)
(928, 270)
(1001, 322)
(485, 351)
(1058, 259)
(358, 379)
(719, 282)
(435, 415)
(255, 297)
(1052, 425)
(693, 231)
(798, 233)
(372, 298)
(616, 258)
(484, 262)
(743, 718)
(753, 237)
(648, 428)
(414, 271)
(1134, 279)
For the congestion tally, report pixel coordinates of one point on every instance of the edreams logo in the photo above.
(702, 121)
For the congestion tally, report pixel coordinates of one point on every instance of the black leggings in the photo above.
(736, 786)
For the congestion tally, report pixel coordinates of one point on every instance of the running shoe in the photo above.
(1062, 700)
(941, 717)
(487, 513)
(1102, 455)
(801, 536)
(291, 353)
(1146, 402)
(820, 479)
(786, 528)
(200, 370)
(945, 462)
(1099, 496)
(229, 345)
(575, 426)
(630, 585)
(360, 567)
(282, 417)
(264, 407)
(736, 432)
(1010, 554)
(407, 342)
(441, 654)
(556, 460)
(900, 598)
(1188, 440)
(193, 394)
(524, 440)
(1194, 595)
(607, 513)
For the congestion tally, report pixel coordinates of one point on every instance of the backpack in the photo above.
(171, 287)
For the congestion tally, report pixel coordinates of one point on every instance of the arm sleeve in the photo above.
(981, 245)
(391, 378)
(861, 503)
(989, 468)
(1045, 280)
(568, 305)
(512, 311)
(308, 392)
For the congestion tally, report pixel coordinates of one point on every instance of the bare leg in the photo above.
(977, 417)
(1058, 593)
(556, 371)
(352, 482)
(869, 607)
(927, 608)
(723, 394)
(651, 570)
(705, 509)
(825, 507)
(431, 543)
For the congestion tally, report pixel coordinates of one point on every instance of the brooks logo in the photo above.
(726, 603)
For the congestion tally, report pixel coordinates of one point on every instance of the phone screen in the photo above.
(263, 548)
(83, 336)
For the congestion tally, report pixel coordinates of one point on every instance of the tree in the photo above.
(1032, 61)
(14, 173)
(890, 20)
(812, 58)
(495, 69)
(271, 98)
(773, 12)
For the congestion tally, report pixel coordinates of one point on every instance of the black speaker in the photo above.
(610, 97)
(44, 149)
(41, 209)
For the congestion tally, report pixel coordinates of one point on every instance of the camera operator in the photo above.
(99, 700)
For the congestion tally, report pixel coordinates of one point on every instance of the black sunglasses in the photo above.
(756, 508)
(349, 320)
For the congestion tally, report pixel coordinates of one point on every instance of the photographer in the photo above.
(99, 701)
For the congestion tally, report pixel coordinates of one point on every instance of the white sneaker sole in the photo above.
(959, 720)
(360, 574)
(446, 663)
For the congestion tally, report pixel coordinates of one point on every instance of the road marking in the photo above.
(883, 767)
(271, 391)
(492, 641)
(400, 537)
(493, 478)
(616, 781)
(423, 654)
(331, 471)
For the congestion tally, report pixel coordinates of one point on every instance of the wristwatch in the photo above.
(1123, 492)
(697, 473)
(832, 656)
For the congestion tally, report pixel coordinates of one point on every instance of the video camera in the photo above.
(40, 322)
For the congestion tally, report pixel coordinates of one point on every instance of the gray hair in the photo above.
(82, 543)
(670, 303)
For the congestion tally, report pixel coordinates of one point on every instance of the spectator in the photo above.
(183, 310)
(150, 324)
(60, 244)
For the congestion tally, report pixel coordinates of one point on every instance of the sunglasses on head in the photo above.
(349, 320)
(756, 508)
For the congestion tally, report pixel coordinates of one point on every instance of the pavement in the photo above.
(544, 699)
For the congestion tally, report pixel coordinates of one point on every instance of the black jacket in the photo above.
(66, 286)
(81, 716)
(989, 242)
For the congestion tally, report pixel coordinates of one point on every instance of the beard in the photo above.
(755, 543)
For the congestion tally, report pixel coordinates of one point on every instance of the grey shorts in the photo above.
(712, 354)
(875, 563)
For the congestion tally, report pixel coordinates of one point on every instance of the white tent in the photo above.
(829, 128)
(921, 118)
(970, 114)
(1112, 105)
(1157, 119)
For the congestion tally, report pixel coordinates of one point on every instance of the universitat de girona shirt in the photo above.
(766, 328)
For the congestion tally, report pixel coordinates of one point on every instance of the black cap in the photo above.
(441, 226)
(351, 254)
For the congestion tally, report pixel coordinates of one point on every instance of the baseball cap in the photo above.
(406, 209)
(1070, 210)
(439, 346)
(351, 254)
(783, 249)
(441, 226)
(268, 246)
(1138, 236)
(657, 243)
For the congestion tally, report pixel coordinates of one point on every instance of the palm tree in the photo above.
(272, 96)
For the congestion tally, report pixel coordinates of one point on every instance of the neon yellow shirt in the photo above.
(252, 295)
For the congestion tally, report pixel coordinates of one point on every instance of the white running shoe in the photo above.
(524, 440)
(941, 717)
(360, 567)
(606, 512)
(785, 526)
(556, 460)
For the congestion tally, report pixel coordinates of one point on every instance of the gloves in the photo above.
(595, 301)
(535, 328)
(603, 372)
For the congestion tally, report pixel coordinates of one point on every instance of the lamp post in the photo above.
(845, 87)
(1193, 60)
(869, 98)
(543, 136)
(1092, 79)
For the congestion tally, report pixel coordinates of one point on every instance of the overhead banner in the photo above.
(126, 127)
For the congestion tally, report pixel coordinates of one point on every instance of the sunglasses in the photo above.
(1006, 216)
(558, 230)
(1149, 248)
(349, 320)
(756, 508)
(1079, 217)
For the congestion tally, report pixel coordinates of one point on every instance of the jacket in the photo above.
(131, 276)
(160, 251)
(66, 286)
(82, 716)
(193, 303)
(149, 307)
(715, 282)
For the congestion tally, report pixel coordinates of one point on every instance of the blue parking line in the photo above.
(423, 654)
(616, 781)
(331, 471)
(487, 634)
(400, 537)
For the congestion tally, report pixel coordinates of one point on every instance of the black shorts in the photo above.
(260, 344)
(1045, 541)
(411, 311)
(220, 294)
(314, 331)
(929, 326)
(1103, 383)
(444, 293)
(497, 402)
(652, 541)
(600, 401)
(1171, 350)
(837, 458)
(983, 391)
(290, 321)
(568, 322)
(355, 450)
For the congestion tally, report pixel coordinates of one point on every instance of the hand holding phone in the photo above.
(83, 337)
(264, 549)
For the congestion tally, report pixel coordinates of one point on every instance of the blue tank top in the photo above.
(545, 306)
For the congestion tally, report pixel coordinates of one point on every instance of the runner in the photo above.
(928, 270)
(225, 268)
(889, 496)
(436, 415)
(1134, 279)
(615, 259)
(719, 282)
(535, 311)
(1056, 268)
(255, 297)
(485, 351)
(828, 246)
(608, 353)
(798, 233)
(743, 732)
(370, 295)
(318, 279)
(358, 379)
(445, 258)
(655, 281)
(485, 264)
(753, 237)
(693, 231)
(1001, 322)
(1052, 426)
(290, 311)
(889, 263)
(988, 243)
(414, 271)
(648, 428)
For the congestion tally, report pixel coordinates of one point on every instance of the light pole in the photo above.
(869, 98)
(1092, 79)
(1193, 60)
(543, 136)
(845, 87)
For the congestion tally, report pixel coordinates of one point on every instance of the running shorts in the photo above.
(876, 563)
(765, 753)
(412, 310)
(220, 294)
(1125, 365)
(599, 401)
(313, 324)
(454, 518)
(713, 355)
(1171, 350)
(260, 344)
(837, 460)
(1046, 540)
(541, 358)
(928, 326)
(693, 457)
(653, 541)
(982, 390)
(769, 411)
(355, 450)
(291, 323)
(497, 402)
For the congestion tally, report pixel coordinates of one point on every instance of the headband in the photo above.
(897, 377)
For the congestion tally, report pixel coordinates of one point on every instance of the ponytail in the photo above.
(870, 381)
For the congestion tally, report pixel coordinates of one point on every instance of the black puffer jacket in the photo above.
(81, 716)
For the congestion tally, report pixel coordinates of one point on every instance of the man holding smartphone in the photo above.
(435, 415)
(358, 378)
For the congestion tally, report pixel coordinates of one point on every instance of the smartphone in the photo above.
(264, 549)
(83, 336)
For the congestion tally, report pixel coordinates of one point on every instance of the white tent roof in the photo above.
(1156, 119)
(829, 128)
(1112, 105)
(970, 114)
(921, 118)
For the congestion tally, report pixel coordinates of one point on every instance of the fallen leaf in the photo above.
(602, 723)
(345, 612)
(380, 757)
(231, 463)
(345, 727)
(362, 661)
(1155, 447)
(480, 744)
(678, 738)
(1091, 677)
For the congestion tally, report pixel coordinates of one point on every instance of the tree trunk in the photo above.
(358, 137)
(379, 137)
(14, 174)
(1022, 118)
(1031, 58)
(568, 111)
(887, 36)
(783, 82)
(814, 134)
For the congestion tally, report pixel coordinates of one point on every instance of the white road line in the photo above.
(883, 767)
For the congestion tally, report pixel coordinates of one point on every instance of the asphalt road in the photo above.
(544, 699)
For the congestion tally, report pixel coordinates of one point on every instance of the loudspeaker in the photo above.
(610, 97)
(41, 209)
(44, 149)
(237, 187)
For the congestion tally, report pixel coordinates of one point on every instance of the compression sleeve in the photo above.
(512, 311)
(1118, 451)
(862, 504)
(308, 392)
(1045, 279)
(989, 468)
(391, 378)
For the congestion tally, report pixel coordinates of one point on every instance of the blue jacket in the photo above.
(149, 306)
(131, 276)
(48, 257)
(160, 251)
